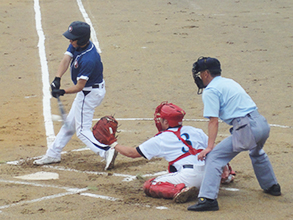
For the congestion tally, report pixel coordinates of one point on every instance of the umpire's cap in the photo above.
(207, 63)
(78, 30)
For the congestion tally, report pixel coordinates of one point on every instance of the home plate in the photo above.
(39, 176)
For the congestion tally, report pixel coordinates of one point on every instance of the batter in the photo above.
(87, 75)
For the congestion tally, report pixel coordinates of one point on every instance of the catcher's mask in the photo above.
(78, 30)
(172, 113)
(204, 63)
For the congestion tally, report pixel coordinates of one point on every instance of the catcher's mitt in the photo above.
(105, 129)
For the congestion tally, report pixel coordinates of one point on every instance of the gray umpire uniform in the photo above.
(227, 100)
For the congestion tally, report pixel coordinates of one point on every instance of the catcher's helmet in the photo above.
(78, 30)
(172, 113)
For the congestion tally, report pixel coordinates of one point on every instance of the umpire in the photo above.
(225, 99)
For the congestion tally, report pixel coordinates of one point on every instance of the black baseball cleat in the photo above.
(204, 204)
(274, 190)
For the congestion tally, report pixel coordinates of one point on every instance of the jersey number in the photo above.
(185, 136)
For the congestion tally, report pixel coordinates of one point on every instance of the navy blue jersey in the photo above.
(86, 64)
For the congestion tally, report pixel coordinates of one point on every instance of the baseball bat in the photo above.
(64, 116)
(61, 110)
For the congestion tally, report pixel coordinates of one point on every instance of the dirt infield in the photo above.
(148, 48)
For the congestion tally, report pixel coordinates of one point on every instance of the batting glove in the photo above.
(58, 92)
(56, 83)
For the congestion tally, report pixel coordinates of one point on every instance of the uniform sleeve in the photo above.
(151, 148)
(86, 70)
(211, 104)
(69, 50)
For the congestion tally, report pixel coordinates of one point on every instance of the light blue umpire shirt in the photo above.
(226, 99)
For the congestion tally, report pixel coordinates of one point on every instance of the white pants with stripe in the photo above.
(79, 120)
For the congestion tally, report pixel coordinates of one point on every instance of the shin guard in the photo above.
(164, 190)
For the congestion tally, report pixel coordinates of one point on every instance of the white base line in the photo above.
(100, 196)
(70, 191)
(127, 178)
(88, 20)
(41, 185)
(197, 120)
(45, 76)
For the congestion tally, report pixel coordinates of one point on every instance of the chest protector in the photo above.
(191, 151)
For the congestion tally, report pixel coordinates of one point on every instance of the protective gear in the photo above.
(198, 81)
(105, 129)
(56, 83)
(172, 113)
(146, 186)
(58, 92)
(162, 189)
(80, 31)
(204, 63)
(228, 174)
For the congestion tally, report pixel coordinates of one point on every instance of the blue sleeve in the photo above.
(70, 49)
(86, 69)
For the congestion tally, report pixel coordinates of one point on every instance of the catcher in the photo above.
(180, 146)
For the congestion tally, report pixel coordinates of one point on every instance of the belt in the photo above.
(89, 88)
(188, 166)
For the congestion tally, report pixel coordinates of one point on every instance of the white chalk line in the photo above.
(70, 191)
(45, 76)
(18, 162)
(230, 189)
(127, 177)
(192, 119)
(88, 20)
(99, 196)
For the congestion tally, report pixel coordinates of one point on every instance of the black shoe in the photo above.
(204, 205)
(274, 190)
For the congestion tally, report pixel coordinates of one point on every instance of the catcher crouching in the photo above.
(180, 146)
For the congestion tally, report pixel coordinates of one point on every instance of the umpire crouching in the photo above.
(225, 99)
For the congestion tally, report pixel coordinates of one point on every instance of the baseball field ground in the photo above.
(147, 48)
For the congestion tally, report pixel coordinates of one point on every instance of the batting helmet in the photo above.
(172, 113)
(78, 30)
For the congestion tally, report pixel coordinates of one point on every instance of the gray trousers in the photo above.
(223, 153)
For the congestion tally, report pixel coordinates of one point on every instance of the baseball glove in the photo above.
(105, 129)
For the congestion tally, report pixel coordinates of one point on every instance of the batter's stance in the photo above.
(87, 75)
(225, 99)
